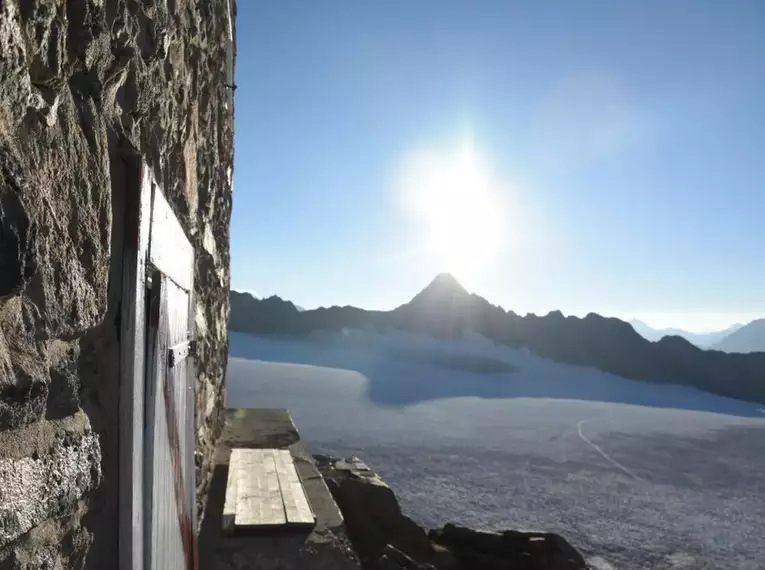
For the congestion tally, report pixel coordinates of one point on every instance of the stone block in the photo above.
(42, 486)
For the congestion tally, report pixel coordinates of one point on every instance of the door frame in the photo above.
(133, 331)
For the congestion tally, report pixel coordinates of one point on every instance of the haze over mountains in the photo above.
(444, 309)
(749, 338)
(737, 338)
(702, 340)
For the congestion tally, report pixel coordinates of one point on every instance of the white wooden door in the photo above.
(157, 432)
(169, 485)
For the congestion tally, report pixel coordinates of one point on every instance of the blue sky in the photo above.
(616, 154)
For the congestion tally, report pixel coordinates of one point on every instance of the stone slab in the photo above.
(323, 547)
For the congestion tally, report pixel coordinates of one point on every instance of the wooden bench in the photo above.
(264, 492)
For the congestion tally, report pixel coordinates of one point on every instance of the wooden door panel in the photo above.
(169, 250)
(165, 527)
(170, 478)
(157, 439)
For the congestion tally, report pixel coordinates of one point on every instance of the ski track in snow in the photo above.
(597, 448)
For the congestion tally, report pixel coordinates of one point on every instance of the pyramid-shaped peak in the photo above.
(446, 280)
(443, 289)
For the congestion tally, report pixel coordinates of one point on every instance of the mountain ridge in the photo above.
(444, 309)
(749, 338)
(702, 340)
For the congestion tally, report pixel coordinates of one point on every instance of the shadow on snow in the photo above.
(407, 370)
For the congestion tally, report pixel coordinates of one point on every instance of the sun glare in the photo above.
(457, 206)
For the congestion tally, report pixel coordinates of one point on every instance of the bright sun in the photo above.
(457, 205)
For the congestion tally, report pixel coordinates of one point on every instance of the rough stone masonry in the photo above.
(85, 87)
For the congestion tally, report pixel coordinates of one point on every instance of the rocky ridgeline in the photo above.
(385, 539)
(444, 309)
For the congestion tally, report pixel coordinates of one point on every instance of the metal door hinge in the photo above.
(180, 351)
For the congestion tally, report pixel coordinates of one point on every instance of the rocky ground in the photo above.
(385, 539)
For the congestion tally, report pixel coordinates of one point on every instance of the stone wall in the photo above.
(87, 88)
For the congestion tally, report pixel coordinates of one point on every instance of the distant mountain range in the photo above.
(737, 338)
(702, 340)
(749, 338)
(444, 309)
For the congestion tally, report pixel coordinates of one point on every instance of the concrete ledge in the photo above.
(323, 548)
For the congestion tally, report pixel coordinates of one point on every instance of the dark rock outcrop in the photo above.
(372, 514)
(385, 539)
(444, 310)
(477, 550)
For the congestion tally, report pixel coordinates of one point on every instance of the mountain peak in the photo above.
(444, 286)
(443, 291)
(446, 281)
(749, 338)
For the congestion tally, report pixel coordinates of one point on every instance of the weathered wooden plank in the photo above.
(245, 465)
(296, 506)
(170, 250)
(259, 499)
(264, 491)
(274, 505)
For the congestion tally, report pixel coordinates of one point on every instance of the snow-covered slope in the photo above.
(402, 368)
(637, 475)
